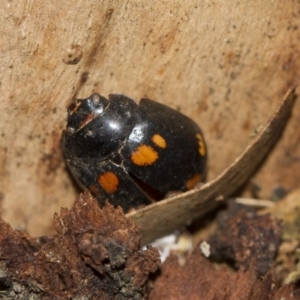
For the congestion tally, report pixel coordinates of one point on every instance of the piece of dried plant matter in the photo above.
(164, 217)
(248, 240)
(198, 279)
(287, 260)
(95, 255)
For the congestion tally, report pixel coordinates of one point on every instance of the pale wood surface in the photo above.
(221, 62)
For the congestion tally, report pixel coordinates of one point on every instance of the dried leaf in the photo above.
(165, 216)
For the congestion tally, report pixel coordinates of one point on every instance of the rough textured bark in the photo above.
(222, 63)
(94, 255)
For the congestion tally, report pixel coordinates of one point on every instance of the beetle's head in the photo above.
(83, 111)
(97, 127)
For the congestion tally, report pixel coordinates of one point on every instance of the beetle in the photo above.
(129, 153)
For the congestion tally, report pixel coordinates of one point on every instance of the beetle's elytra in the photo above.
(130, 153)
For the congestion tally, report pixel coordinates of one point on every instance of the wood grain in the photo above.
(225, 64)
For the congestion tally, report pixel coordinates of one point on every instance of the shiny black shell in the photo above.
(129, 153)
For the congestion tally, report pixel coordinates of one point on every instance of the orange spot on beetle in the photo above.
(190, 183)
(144, 156)
(109, 182)
(202, 148)
(159, 141)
